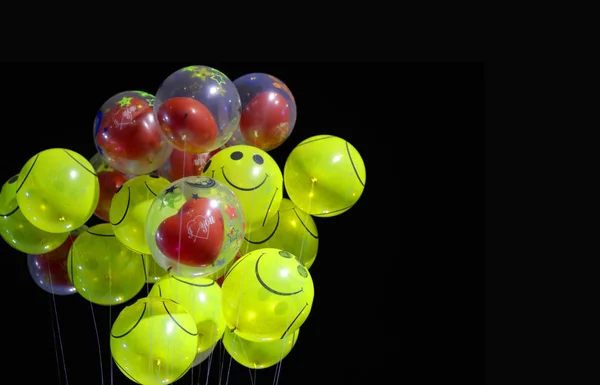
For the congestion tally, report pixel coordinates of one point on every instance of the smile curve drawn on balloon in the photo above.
(242, 188)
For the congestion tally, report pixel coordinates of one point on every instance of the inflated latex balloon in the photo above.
(153, 271)
(267, 295)
(49, 271)
(268, 111)
(198, 109)
(202, 298)
(324, 175)
(58, 190)
(195, 227)
(17, 231)
(154, 341)
(254, 176)
(129, 210)
(291, 230)
(127, 134)
(102, 269)
(110, 181)
(258, 355)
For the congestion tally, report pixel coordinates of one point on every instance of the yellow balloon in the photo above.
(291, 230)
(129, 210)
(324, 175)
(254, 177)
(202, 298)
(58, 190)
(153, 341)
(17, 231)
(103, 270)
(267, 295)
(153, 271)
(258, 355)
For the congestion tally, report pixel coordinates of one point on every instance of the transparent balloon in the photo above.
(267, 295)
(268, 111)
(195, 227)
(129, 210)
(127, 134)
(254, 176)
(58, 190)
(102, 269)
(17, 231)
(198, 109)
(154, 341)
(324, 176)
(291, 230)
(49, 271)
(202, 298)
(258, 355)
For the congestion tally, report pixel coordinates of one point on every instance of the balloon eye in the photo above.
(13, 179)
(258, 159)
(207, 166)
(302, 271)
(237, 155)
(285, 254)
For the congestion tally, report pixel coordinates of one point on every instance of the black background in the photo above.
(398, 278)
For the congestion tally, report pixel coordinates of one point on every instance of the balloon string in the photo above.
(98, 340)
(52, 312)
(110, 317)
(228, 370)
(62, 351)
(210, 357)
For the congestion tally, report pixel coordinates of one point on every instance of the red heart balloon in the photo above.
(265, 120)
(193, 236)
(189, 124)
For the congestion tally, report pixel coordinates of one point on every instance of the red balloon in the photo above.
(183, 164)
(110, 182)
(188, 124)
(54, 262)
(265, 121)
(129, 132)
(220, 280)
(194, 235)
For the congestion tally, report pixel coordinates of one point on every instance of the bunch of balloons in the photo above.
(190, 201)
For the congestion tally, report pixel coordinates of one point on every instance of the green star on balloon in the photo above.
(170, 199)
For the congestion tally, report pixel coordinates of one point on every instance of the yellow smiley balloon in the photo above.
(254, 177)
(324, 176)
(58, 190)
(129, 210)
(154, 341)
(267, 295)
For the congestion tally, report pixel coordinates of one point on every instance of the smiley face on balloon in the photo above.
(254, 177)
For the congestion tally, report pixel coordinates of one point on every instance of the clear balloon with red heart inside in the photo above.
(128, 136)
(268, 111)
(195, 227)
(198, 109)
